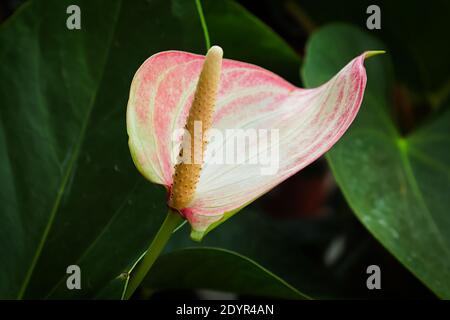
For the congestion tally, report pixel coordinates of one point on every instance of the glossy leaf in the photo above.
(70, 193)
(412, 34)
(220, 270)
(397, 186)
(277, 244)
(230, 26)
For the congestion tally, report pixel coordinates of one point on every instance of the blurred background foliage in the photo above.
(69, 193)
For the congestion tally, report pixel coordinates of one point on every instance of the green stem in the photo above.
(203, 22)
(154, 250)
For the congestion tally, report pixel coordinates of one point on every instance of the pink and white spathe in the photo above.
(309, 123)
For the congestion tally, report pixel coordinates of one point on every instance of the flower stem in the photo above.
(203, 23)
(154, 250)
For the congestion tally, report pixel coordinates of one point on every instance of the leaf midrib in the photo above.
(414, 184)
(71, 165)
(408, 170)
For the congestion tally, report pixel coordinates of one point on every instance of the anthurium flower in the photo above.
(173, 90)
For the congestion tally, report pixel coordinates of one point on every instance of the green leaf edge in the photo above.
(247, 259)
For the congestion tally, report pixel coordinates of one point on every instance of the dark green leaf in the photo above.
(413, 34)
(249, 39)
(278, 245)
(217, 269)
(70, 193)
(397, 186)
